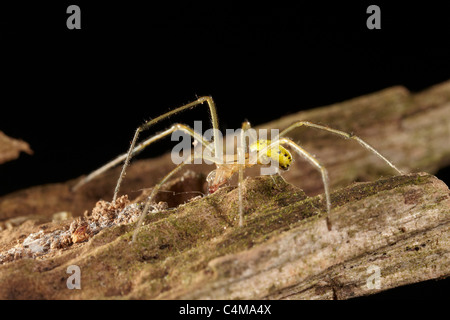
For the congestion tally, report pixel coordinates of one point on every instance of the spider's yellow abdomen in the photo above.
(276, 153)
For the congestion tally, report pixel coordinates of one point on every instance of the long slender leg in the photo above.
(311, 159)
(138, 149)
(148, 124)
(158, 187)
(241, 162)
(133, 151)
(342, 134)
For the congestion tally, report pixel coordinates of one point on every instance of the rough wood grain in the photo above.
(400, 225)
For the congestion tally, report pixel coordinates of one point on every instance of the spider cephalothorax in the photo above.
(268, 152)
(258, 152)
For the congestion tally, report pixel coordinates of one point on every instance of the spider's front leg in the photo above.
(341, 134)
(274, 145)
(316, 163)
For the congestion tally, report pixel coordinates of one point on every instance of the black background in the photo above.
(77, 95)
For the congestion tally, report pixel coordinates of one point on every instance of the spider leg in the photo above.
(148, 124)
(140, 147)
(342, 134)
(241, 162)
(311, 159)
(148, 142)
(134, 150)
(161, 183)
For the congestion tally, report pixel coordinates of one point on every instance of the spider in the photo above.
(263, 150)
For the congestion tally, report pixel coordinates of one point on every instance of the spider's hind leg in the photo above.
(155, 190)
(133, 150)
(147, 125)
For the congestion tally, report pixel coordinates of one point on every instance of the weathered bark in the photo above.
(400, 226)
(284, 251)
(10, 148)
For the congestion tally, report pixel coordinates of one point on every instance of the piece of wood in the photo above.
(10, 148)
(400, 225)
